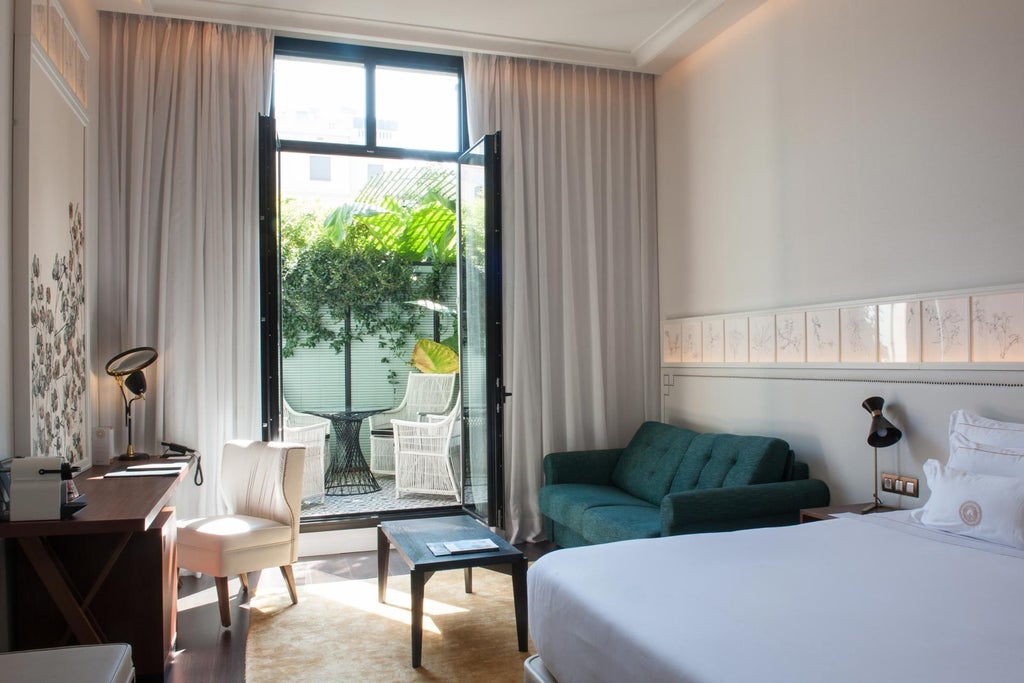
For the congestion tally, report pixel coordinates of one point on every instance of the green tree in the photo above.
(358, 261)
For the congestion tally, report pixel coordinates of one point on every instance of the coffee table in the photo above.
(410, 538)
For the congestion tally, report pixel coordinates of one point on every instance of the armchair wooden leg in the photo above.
(222, 600)
(245, 582)
(289, 577)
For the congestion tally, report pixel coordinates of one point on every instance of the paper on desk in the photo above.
(142, 473)
(158, 466)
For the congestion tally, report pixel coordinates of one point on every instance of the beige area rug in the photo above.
(339, 632)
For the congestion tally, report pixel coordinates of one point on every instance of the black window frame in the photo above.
(370, 58)
(270, 145)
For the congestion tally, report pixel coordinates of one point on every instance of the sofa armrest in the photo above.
(740, 507)
(581, 467)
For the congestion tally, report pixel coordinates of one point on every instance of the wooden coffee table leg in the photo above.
(519, 596)
(417, 579)
(383, 555)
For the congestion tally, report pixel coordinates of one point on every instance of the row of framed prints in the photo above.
(985, 328)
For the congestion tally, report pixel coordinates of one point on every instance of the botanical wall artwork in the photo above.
(737, 340)
(790, 338)
(997, 328)
(691, 341)
(899, 332)
(858, 334)
(823, 336)
(762, 339)
(985, 326)
(58, 356)
(713, 341)
(50, 358)
(945, 330)
(672, 342)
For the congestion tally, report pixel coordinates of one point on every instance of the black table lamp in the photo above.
(126, 369)
(882, 434)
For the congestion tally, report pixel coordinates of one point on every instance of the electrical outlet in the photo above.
(904, 486)
(910, 486)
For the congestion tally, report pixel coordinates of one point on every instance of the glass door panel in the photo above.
(483, 390)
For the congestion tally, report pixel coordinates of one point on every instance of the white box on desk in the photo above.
(36, 496)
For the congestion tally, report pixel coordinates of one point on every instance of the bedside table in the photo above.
(815, 514)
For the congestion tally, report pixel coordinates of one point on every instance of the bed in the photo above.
(848, 599)
(934, 594)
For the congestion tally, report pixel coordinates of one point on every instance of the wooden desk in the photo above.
(109, 574)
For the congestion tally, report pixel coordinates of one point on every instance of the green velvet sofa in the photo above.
(671, 480)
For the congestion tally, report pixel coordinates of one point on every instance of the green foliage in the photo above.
(357, 261)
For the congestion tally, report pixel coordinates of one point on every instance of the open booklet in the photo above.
(475, 545)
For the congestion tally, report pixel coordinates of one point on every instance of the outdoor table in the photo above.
(348, 472)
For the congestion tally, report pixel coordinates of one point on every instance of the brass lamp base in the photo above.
(134, 456)
(871, 508)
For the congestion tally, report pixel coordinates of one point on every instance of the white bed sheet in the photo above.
(850, 599)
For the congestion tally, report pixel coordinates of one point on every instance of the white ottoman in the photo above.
(110, 663)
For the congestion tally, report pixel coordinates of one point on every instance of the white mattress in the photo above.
(850, 599)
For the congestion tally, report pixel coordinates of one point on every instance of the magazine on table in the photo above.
(475, 545)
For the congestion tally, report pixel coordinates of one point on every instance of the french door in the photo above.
(481, 360)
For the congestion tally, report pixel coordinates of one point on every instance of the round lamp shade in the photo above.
(130, 361)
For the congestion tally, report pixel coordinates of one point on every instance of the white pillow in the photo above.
(982, 506)
(986, 431)
(981, 459)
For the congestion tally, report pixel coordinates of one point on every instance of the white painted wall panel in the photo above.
(826, 150)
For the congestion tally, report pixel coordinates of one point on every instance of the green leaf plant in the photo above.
(429, 356)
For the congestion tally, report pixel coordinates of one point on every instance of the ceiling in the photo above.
(637, 35)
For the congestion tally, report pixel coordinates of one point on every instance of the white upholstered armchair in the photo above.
(262, 486)
(311, 431)
(425, 394)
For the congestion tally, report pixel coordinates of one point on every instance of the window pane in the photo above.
(417, 109)
(320, 101)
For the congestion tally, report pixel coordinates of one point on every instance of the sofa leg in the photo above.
(244, 578)
(222, 600)
(289, 577)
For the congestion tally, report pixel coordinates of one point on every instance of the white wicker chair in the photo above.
(424, 454)
(311, 431)
(425, 394)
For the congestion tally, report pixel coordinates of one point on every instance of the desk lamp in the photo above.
(126, 369)
(882, 434)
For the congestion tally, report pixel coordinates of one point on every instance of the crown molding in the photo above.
(692, 27)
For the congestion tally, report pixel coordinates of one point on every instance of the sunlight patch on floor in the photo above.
(363, 596)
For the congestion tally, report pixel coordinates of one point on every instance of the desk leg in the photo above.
(519, 595)
(49, 573)
(417, 579)
(383, 556)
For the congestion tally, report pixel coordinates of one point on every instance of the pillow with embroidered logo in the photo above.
(984, 506)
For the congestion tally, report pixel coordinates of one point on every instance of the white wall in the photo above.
(83, 16)
(826, 150)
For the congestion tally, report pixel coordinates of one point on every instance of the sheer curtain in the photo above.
(579, 260)
(179, 230)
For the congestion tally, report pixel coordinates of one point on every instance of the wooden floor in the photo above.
(208, 652)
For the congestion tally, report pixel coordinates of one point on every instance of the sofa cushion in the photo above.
(649, 463)
(566, 503)
(718, 460)
(621, 522)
